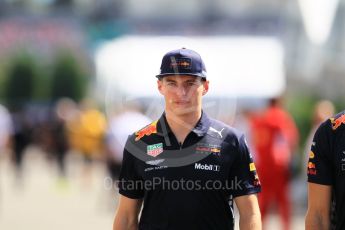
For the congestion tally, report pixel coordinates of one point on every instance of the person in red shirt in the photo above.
(274, 137)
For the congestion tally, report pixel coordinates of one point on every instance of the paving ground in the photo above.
(41, 201)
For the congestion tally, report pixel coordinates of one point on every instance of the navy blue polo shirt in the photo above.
(326, 164)
(189, 185)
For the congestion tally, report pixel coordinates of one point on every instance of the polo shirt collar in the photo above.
(200, 128)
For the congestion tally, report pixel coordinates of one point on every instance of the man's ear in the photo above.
(159, 86)
(205, 85)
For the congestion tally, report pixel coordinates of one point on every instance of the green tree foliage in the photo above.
(67, 78)
(20, 81)
(302, 109)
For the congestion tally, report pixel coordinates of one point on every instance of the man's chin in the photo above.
(179, 111)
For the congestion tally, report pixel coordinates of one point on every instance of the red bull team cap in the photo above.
(182, 62)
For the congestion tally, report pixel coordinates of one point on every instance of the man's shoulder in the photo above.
(137, 142)
(332, 127)
(146, 131)
(337, 121)
(227, 132)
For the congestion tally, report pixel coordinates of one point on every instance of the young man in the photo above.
(186, 167)
(326, 174)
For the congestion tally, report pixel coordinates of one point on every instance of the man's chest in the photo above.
(206, 159)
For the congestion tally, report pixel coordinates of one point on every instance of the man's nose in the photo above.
(181, 90)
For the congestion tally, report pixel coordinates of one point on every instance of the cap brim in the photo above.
(179, 74)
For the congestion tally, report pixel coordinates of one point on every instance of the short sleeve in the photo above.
(130, 183)
(243, 172)
(319, 168)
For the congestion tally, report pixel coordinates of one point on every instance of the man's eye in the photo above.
(192, 83)
(171, 83)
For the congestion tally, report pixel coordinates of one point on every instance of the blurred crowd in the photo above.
(68, 128)
(82, 129)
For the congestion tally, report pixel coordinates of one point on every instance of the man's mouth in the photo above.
(181, 102)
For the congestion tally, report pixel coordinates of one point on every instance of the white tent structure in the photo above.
(237, 67)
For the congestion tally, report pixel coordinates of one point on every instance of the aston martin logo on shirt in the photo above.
(155, 162)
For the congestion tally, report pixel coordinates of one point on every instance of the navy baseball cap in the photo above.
(182, 62)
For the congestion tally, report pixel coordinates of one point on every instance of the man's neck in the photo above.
(182, 125)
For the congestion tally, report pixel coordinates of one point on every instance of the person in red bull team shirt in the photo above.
(326, 176)
(186, 169)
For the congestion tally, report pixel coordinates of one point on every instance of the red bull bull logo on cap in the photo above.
(183, 63)
(147, 131)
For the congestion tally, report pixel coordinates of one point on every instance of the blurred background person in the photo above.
(323, 110)
(275, 138)
(22, 137)
(90, 131)
(54, 135)
(120, 126)
(6, 130)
